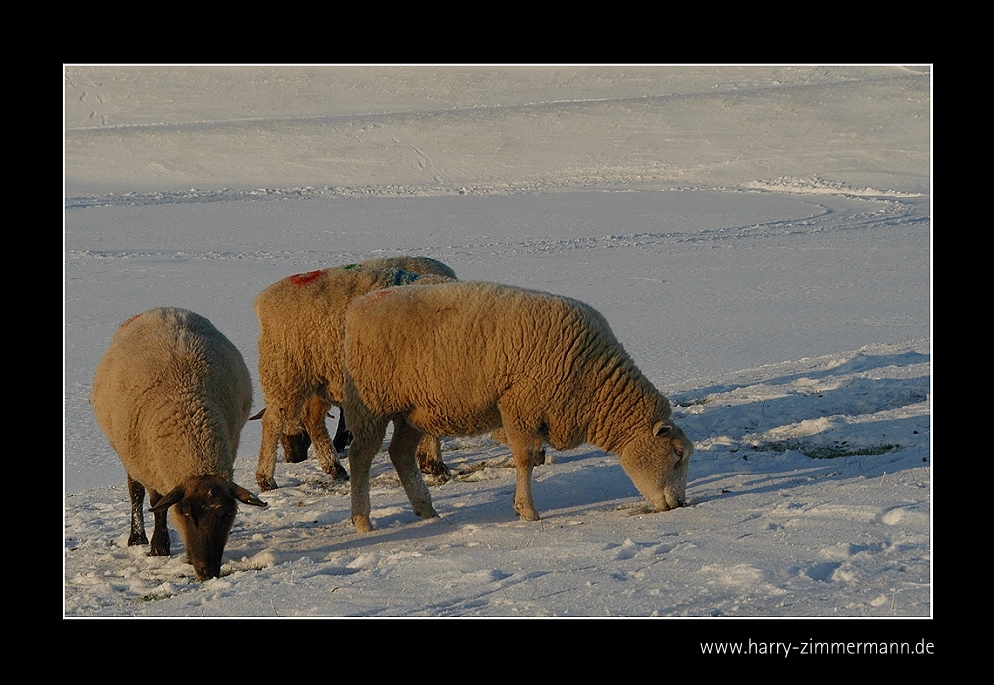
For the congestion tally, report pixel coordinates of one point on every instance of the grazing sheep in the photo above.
(302, 321)
(296, 444)
(546, 368)
(172, 394)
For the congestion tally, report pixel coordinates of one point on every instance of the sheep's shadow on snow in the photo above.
(573, 483)
(576, 485)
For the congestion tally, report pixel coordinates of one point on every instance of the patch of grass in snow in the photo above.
(326, 484)
(469, 472)
(824, 451)
(637, 509)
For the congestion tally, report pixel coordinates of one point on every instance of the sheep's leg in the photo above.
(500, 438)
(314, 415)
(160, 534)
(430, 458)
(364, 447)
(526, 450)
(137, 492)
(403, 444)
(272, 428)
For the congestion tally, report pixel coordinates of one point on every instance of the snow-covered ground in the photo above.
(759, 239)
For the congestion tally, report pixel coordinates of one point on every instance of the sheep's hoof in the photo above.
(362, 524)
(435, 468)
(336, 471)
(428, 513)
(159, 550)
(528, 514)
(137, 539)
(266, 484)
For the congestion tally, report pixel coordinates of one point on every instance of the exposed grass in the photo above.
(468, 472)
(637, 509)
(824, 451)
(327, 484)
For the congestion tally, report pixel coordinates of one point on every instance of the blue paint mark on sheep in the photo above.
(402, 277)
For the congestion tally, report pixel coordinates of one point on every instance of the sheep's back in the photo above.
(417, 265)
(455, 352)
(302, 322)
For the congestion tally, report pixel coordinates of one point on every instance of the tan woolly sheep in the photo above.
(301, 344)
(429, 451)
(547, 368)
(172, 395)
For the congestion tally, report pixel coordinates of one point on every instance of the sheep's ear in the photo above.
(243, 495)
(662, 428)
(256, 417)
(177, 494)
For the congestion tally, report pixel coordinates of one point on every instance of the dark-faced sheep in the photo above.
(465, 358)
(172, 395)
(301, 347)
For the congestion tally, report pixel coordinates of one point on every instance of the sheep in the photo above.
(172, 394)
(301, 358)
(295, 445)
(545, 367)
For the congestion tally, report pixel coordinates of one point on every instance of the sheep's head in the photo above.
(657, 463)
(204, 510)
(295, 446)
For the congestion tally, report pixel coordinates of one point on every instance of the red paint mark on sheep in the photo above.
(304, 279)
